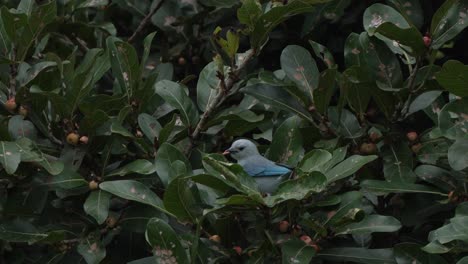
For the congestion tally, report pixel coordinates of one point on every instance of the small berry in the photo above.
(215, 238)
(368, 148)
(283, 226)
(331, 214)
(72, 138)
(306, 239)
(238, 250)
(182, 61)
(138, 134)
(111, 222)
(374, 137)
(84, 140)
(412, 136)
(93, 185)
(11, 105)
(427, 41)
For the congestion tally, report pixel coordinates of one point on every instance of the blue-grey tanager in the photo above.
(266, 173)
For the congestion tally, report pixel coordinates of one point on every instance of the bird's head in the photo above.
(241, 149)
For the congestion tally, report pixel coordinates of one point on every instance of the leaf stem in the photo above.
(223, 88)
(145, 21)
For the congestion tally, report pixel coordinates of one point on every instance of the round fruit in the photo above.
(283, 226)
(10, 105)
(306, 239)
(23, 111)
(368, 148)
(412, 136)
(427, 41)
(215, 238)
(111, 222)
(238, 250)
(72, 138)
(374, 137)
(182, 61)
(84, 140)
(93, 185)
(138, 134)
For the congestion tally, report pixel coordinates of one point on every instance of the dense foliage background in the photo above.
(112, 113)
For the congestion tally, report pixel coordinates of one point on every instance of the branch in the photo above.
(223, 88)
(145, 21)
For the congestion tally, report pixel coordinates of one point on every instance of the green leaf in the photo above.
(66, 179)
(323, 53)
(207, 85)
(134, 191)
(20, 231)
(455, 230)
(298, 189)
(179, 200)
(97, 205)
(371, 224)
(235, 175)
(382, 64)
(398, 163)
(214, 182)
(411, 10)
(344, 123)
(356, 87)
(349, 202)
(301, 68)
(249, 13)
(315, 160)
(175, 95)
(384, 187)
(411, 253)
(278, 97)
(436, 176)
(463, 260)
(166, 157)
(452, 119)
(376, 15)
(137, 166)
(125, 65)
(20, 128)
(277, 15)
(448, 21)
(454, 77)
(358, 255)
(165, 242)
(353, 52)
(323, 94)
(149, 125)
(10, 156)
(457, 154)
(92, 250)
(93, 3)
(408, 39)
(286, 146)
(27, 73)
(296, 251)
(423, 100)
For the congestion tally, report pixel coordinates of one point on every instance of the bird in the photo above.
(267, 174)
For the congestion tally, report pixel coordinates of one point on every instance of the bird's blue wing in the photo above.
(268, 170)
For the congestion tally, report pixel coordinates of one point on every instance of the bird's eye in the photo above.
(241, 148)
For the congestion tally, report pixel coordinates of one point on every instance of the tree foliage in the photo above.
(113, 115)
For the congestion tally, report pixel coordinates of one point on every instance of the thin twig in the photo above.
(145, 21)
(410, 88)
(223, 88)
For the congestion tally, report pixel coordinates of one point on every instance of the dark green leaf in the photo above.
(125, 65)
(92, 250)
(165, 242)
(249, 13)
(300, 67)
(149, 125)
(359, 255)
(10, 156)
(384, 187)
(411, 253)
(278, 97)
(457, 154)
(179, 200)
(286, 146)
(454, 77)
(370, 224)
(97, 205)
(448, 21)
(296, 251)
(20, 128)
(423, 100)
(175, 95)
(166, 157)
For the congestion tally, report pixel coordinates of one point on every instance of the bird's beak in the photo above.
(226, 152)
